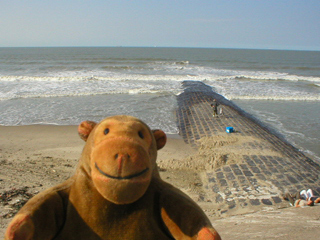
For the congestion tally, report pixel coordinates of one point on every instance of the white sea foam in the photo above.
(276, 98)
(238, 87)
(197, 73)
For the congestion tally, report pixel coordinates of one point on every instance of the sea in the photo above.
(67, 85)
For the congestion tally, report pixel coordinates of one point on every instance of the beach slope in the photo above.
(33, 158)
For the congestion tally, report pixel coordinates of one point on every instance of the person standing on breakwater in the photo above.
(214, 106)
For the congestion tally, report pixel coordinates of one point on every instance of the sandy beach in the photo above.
(33, 158)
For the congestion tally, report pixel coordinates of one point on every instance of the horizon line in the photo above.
(235, 48)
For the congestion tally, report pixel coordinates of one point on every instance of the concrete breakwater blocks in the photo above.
(244, 171)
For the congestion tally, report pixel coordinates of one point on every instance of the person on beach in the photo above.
(302, 198)
(296, 201)
(214, 106)
(308, 195)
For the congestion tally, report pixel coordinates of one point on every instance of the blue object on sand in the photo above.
(229, 129)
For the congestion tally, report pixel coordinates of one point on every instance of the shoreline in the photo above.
(36, 157)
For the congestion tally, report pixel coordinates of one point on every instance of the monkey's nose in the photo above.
(121, 156)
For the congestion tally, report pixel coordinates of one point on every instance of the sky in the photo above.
(257, 24)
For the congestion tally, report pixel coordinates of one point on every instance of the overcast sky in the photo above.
(274, 24)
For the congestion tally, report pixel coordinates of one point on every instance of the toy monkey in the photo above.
(116, 193)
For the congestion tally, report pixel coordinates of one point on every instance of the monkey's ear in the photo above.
(85, 128)
(161, 138)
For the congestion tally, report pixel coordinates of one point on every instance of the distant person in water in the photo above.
(214, 106)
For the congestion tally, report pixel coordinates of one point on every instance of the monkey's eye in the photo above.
(106, 131)
(141, 134)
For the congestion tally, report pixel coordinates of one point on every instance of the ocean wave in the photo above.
(275, 98)
(277, 77)
(83, 94)
(156, 77)
(133, 91)
(120, 77)
(240, 85)
(119, 67)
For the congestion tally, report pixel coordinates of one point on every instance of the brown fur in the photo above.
(116, 192)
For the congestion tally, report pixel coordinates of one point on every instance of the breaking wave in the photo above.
(214, 76)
